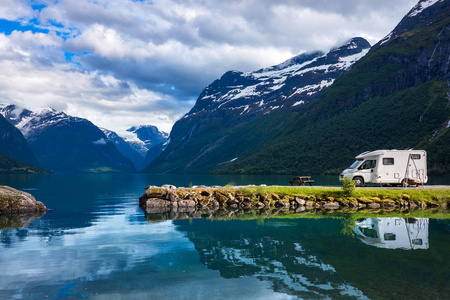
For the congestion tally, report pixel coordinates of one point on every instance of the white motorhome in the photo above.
(394, 233)
(388, 167)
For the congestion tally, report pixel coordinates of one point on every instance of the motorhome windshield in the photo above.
(355, 164)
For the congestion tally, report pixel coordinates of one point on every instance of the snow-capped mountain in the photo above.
(126, 148)
(31, 124)
(64, 143)
(144, 137)
(239, 111)
(290, 84)
(142, 145)
(417, 17)
(14, 145)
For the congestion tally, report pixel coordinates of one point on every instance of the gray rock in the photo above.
(310, 203)
(300, 201)
(157, 210)
(173, 197)
(186, 209)
(282, 204)
(15, 201)
(300, 209)
(331, 205)
(186, 203)
(259, 205)
(214, 203)
(374, 205)
(155, 202)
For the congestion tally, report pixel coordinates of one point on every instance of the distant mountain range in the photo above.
(56, 141)
(316, 112)
(137, 146)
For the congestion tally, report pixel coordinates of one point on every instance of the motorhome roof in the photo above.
(371, 153)
(382, 152)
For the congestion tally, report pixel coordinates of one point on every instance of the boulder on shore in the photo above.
(15, 201)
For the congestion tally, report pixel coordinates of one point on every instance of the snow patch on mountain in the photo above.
(273, 269)
(421, 6)
(144, 137)
(100, 141)
(289, 84)
(386, 38)
(29, 122)
(280, 72)
(298, 103)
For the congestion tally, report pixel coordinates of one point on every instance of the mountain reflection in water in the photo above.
(95, 242)
(311, 258)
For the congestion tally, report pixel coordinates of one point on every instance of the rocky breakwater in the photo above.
(15, 201)
(169, 198)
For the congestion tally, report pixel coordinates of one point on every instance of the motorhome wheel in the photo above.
(358, 181)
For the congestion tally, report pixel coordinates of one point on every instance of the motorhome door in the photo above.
(367, 169)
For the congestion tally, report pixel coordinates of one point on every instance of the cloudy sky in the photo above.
(131, 62)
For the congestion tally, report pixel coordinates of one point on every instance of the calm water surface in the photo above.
(94, 242)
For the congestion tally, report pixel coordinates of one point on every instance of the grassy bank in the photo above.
(442, 197)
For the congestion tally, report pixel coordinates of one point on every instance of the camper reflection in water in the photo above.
(394, 233)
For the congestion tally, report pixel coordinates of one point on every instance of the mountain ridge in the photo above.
(64, 143)
(14, 144)
(205, 137)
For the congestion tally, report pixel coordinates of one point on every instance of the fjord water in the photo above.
(95, 242)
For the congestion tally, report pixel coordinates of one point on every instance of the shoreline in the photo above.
(293, 198)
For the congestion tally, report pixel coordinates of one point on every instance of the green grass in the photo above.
(442, 197)
(9, 165)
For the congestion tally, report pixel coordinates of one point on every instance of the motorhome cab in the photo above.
(388, 167)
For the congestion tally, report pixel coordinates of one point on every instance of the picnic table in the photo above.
(301, 180)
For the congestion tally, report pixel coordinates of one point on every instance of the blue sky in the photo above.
(121, 63)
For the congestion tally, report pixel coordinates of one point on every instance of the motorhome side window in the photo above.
(415, 156)
(388, 161)
(368, 164)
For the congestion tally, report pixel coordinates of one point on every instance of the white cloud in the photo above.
(143, 62)
(16, 10)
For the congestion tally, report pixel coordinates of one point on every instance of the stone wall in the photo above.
(167, 198)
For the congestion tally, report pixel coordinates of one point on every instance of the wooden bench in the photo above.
(301, 180)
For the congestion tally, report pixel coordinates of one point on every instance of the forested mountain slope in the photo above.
(13, 143)
(15, 153)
